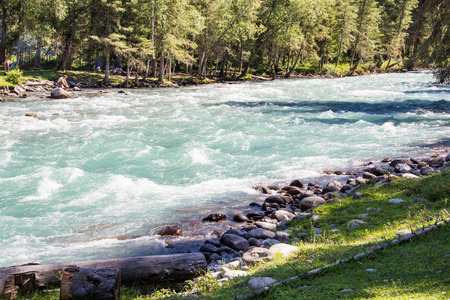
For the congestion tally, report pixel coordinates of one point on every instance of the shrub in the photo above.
(15, 76)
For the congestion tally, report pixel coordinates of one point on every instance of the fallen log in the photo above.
(176, 267)
(99, 284)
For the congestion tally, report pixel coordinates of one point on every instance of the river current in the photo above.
(92, 171)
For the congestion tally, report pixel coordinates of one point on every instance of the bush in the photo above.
(15, 76)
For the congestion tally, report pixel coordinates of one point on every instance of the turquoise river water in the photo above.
(92, 170)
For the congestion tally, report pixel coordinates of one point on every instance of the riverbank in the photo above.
(392, 198)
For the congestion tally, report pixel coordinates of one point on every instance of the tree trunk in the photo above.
(37, 58)
(3, 33)
(147, 70)
(127, 80)
(294, 65)
(106, 79)
(162, 67)
(66, 57)
(169, 73)
(363, 8)
(80, 284)
(154, 67)
(176, 267)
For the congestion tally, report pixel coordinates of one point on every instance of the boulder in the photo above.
(330, 189)
(311, 202)
(173, 230)
(254, 242)
(292, 190)
(409, 176)
(283, 249)
(402, 168)
(59, 93)
(260, 233)
(281, 215)
(355, 223)
(215, 218)
(396, 201)
(427, 171)
(282, 236)
(235, 242)
(260, 282)
(256, 255)
(241, 218)
(279, 199)
(297, 183)
(266, 225)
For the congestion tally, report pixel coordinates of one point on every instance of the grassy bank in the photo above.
(419, 269)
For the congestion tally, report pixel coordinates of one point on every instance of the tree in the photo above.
(344, 26)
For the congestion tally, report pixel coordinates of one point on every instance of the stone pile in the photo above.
(265, 227)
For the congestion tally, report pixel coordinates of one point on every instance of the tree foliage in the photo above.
(203, 37)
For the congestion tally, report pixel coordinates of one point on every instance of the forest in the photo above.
(203, 37)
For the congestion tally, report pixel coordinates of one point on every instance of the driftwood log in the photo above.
(17, 284)
(98, 284)
(149, 269)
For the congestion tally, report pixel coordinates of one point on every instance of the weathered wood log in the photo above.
(17, 284)
(98, 284)
(176, 267)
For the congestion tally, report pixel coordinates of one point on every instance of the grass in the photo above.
(419, 269)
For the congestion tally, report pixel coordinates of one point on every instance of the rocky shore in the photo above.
(264, 231)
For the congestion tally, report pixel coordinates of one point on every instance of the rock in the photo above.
(369, 176)
(281, 215)
(330, 189)
(279, 199)
(282, 236)
(386, 160)
(18, 90)
(256, 215)
(363, 216)
(266, 225)
(59, 93)
(361, 180)
(215, 218)
(297, 183)
(227, 273)
(311, 202)
(256, 255)
(353, 190)
(427, 171)
(292, 190)
(404, 232)
(208, 248)
(31, 115)
(396, 200)
(334, 200)
(357, 195)
(241, 218)
(255, 204)
(347, 291)
(173, 230)
(447, 158)
(402, 168)
(260, 282)
(355, 223)
(261, 189)
(233, 265)
(235, 242)
(409, 176)
(254, 242)
(23, 96)
(419, 200)
(269, 243)
(76, 89)
(260, 233)
(346, 188)
(300, 216)
(283, 249)
(249, 227)
(371, 270)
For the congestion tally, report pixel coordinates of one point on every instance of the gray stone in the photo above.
(361, 180)
(269, 242)
(409, 176)
(419, 200)
(427, 171)
(227, 273)
(282, 236)
(280, 215)
(300, 216)
(371, 270)
(254, 242)
(404, 232)
(235, 242)
(334, 200)
(283, 249)
(266, 225)
(330, 189)
(447, 158)
(347, 291)
(279, 199)
(297, 183)
(292, 190)
(260, 233)
(363, 216)
(257, 255)
(352, 191)
(315, 217)
(396, 200)
(355, 223)
(260, 282)
(369, 176)
(233, 265)
(311, 202)
(402, 168)
(59, 93)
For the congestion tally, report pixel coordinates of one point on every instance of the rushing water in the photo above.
(93, 168)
